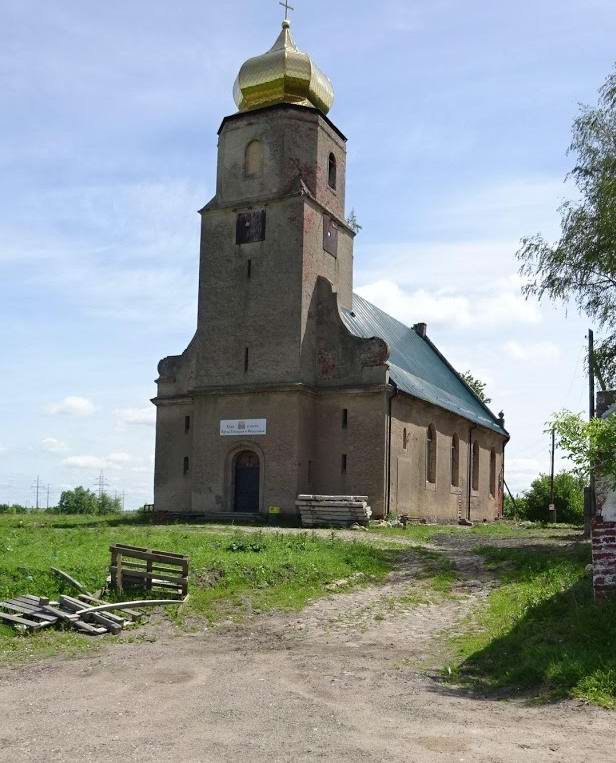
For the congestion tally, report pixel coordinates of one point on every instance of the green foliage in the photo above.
(588, 443)
(568, 498)
(84, 501)
(478, 387)
(581, 265)
(353, 222)
(541, 631)
(13, 508)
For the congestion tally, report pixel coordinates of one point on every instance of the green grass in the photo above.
(231, 574)
(541, 633)
(505, 529)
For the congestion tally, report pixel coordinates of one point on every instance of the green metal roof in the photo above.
(416, 366)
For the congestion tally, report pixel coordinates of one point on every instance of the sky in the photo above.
(458, 116)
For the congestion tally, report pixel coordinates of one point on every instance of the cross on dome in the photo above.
(287, 8)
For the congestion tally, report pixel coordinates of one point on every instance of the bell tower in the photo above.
(276, 223)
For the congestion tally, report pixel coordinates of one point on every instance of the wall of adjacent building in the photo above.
(411, 493)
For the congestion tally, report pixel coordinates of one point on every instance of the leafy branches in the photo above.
(582, 264)
(588, 444)
(478, 387)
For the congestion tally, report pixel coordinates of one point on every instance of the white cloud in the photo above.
(85, 462)
(532, 351)
(141, 469)
(72, 406)
(3, 449)
(112, 461)
(136, 416)
(52, 445)
(488, 307)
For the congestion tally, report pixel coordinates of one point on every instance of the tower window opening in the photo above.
(249, 270)
(246, 360)
(186, 464)
(186, 424)
(253, 159)
(405, 440)
(332, 172)
(343, 463)
(345, 418)
(431, 454)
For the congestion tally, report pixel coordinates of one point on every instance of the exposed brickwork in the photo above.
(604, 524)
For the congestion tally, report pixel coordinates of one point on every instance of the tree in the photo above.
(78, 501)
(581, 265)
(478, 387)
(109, 505)
(568, 498)
(588, 444)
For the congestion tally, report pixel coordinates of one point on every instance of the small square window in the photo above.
(250, 227)
(330, 236)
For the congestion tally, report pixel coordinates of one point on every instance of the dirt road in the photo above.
(351, 678)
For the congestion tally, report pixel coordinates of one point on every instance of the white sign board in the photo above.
(235, 427)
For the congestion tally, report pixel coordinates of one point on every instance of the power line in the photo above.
(37, 487)
(101, 483)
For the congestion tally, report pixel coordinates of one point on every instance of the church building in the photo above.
(293, 384)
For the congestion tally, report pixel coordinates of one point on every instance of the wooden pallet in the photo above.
(148, 569)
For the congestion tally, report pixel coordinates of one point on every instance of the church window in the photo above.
(492, 472)
(405, 439)
(186, 464)
(343, 463)
(455, 461)
(330, 236)
(253, 159)
(332, 172)
(250, 227)
(246, 359)
(431, 454)
(345, 418)
(475, 468)
(187, 424)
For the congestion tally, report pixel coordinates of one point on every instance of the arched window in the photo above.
(475, 467)
(455, 461)
(253, 159)
(332, 172)
(492, 472)
(431, 454)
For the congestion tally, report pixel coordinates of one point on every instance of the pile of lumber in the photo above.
(31, 613)
(149, 570)
(333, 510)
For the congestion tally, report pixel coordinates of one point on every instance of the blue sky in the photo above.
(458, 116)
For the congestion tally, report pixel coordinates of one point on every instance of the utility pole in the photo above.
(589, 493)
(37, 487)
(552, 507)
(101, 483)
(48, 487)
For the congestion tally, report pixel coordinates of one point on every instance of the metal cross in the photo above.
(287, 8)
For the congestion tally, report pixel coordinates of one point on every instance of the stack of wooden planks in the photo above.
(148, 569)
(333, 510)
(31, 613)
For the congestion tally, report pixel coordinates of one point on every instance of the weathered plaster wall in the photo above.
(412, 494)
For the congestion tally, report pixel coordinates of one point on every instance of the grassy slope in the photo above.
(231, 573)
(541, 633)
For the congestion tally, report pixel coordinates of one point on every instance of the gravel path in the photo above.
(351, 678)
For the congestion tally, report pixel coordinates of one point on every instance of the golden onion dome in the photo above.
(282, 75)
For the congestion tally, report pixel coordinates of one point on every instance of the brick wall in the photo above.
(604, 523)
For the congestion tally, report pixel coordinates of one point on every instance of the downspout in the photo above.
(389, 438)
(470, 470)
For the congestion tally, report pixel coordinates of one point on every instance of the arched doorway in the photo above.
(246, 479)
